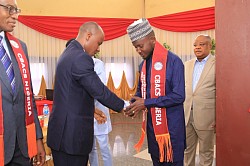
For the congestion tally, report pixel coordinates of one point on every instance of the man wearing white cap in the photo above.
(160, 96)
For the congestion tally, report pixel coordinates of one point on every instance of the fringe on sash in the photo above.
(1, 151)
(165, 148)
(140, 142)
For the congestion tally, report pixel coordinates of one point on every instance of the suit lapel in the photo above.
(189, 75)
(205, 71)
(3, 76)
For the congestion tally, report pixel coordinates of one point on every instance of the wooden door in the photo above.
(232, 82)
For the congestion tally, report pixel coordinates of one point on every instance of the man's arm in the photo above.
(83, 72)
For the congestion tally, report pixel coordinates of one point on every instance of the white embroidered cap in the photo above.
(139, 29)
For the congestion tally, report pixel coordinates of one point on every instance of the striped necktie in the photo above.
(5, 59)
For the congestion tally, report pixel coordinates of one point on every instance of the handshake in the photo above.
(131, 109)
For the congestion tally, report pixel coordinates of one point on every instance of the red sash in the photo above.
(1, 131)
(159, 118)
(25, 73)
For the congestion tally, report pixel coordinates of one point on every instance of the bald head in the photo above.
(91, 27)
(90, 36)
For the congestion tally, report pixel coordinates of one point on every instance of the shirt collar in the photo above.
(203, 60)
(5, 46)
(3, 35)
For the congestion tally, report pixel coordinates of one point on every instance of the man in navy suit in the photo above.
(70, 129)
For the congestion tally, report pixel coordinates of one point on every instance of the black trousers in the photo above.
(156, 162)
(18, 158)
(63, 159)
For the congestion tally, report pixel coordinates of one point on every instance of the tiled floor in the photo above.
(125, 134)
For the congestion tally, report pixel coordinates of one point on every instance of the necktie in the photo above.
(5, 59)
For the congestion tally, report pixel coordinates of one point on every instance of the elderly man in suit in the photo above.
(20, 131)
(71, 129)
(199, 105)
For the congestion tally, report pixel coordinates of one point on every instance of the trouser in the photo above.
(103, 142)
(156, 162)
(18, 158)
(63, 159)
(206, 145)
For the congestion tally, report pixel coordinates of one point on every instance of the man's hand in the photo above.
(134, 108)
(100, 116)
(126, 104)
(39, 159)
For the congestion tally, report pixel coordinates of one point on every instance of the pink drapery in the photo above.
(67, 27)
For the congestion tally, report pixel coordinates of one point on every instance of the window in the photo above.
(37, 70)
(117, 69)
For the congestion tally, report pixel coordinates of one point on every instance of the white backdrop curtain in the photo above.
(118, 54)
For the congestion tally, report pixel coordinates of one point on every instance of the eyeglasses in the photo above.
(12, 9)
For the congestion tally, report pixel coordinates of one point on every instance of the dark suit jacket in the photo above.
(70, 126)
(13, 110)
